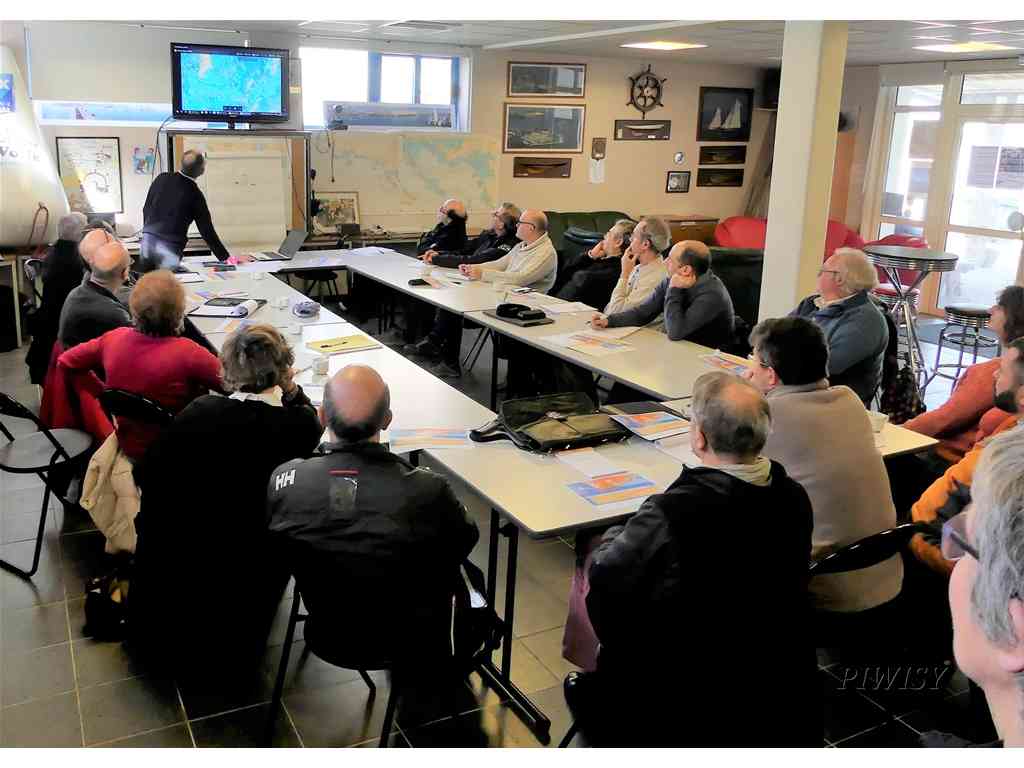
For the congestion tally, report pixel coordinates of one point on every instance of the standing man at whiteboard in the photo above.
(173, 203)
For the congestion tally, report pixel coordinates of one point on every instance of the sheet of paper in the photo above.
(613, 333)
(588, 344)
(406, 440)
(231, 325)
(678, 447)
(588, 461)
(726, 363)
(189, 277)
(623, 490)
(566, 307)
(653, 426)
(314, 393)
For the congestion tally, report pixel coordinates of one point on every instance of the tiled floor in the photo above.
(58, 688)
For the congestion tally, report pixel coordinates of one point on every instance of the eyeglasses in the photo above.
(954, 539)
(754, 359)
(824, 271)
(527, 223)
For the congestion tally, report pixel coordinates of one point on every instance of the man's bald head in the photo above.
(732, 415)
(455, 206)
(193, 163)
(691, 253)
(533, 224)
(92, 242)
(357, 404)
(110, 264)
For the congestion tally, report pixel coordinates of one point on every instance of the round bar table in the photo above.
(892, 258)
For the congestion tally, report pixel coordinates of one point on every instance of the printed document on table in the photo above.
(624, 490)
(613, 333)
(567, 307)
(678, 447)
(588, 344)
(653, 426)
(407, 440)
(588, 461)
(726, 363)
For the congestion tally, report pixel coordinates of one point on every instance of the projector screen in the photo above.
(229, 83)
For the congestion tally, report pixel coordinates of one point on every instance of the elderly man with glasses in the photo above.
(984, 544)
(854, 326)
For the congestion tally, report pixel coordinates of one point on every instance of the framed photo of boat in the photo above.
(727, 155)
(643, 130)
(725, 114)
(535, 78)
(677, 181)
(539, 128)
(719, 177)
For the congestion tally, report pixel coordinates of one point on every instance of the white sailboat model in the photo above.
(734, 120)
(716, 121)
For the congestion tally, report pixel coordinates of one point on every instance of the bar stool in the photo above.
(964, 329)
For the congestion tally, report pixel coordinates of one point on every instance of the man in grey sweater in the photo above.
(93, 308)
(696, 305)
(847, 483)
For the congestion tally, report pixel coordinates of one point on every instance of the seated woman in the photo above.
(210, 513)
(151, 359)
(970, 414)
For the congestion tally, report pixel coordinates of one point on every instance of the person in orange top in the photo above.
(950, 494)
(969, 415)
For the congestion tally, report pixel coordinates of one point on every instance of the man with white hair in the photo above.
(986, 588)
(854, 326)
(449, 235)
(667, 594)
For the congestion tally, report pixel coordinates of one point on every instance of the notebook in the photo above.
(228, 307)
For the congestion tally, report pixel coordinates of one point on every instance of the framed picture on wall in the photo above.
(725, 114)
(677, 181)
(337, 209)
(90, 172)
(543, 128)
(724, 155)
(719, 177)
(532, 78)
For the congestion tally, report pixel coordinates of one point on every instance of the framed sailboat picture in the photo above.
(725, 114)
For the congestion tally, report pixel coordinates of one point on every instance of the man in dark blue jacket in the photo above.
(489, 245)
(854, 326)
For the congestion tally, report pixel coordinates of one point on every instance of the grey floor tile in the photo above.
(891, 734)
(37, 674)
(213, 694)
(51, 722)
(76, 617)
(245, 728)
(547, 646)
(305, 670)
(26, 629)
(175, 737)
(103, 662)
(338, 715)
(115, 710)
(528, 674)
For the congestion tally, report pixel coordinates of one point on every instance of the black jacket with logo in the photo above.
(487, 246)
(448, 235)
(366, 534)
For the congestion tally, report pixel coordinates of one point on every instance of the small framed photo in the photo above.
(532, 78)
(337, 209)
(677, 181)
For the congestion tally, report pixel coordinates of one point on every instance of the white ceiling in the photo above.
(738, 42)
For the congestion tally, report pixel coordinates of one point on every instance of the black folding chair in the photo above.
(37, 453)
(869, 551)
(124, 404)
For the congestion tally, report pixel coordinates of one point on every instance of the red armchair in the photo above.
(747, 232)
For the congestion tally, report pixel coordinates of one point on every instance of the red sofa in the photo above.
(747, 232)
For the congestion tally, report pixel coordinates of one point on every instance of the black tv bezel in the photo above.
(223, 117)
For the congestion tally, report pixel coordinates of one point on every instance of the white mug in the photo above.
(295, 329)
(320, 365)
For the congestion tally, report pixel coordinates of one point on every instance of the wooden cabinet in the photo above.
(693, 227)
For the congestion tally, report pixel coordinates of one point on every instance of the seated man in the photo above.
(668, 594)
(854, 326)
(449, 235)
(531, 263)
(986, 587)
(696, 304)
(593, 276)
(489, 245)
(368, 535)
(93, 308)
(642, 266)
(847, 484)
(951, 493)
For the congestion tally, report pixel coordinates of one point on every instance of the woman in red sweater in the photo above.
(150, 359)
(969, 415)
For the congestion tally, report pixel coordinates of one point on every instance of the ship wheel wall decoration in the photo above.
(645, 91)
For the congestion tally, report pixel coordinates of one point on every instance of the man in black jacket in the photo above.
(450, 233)
(489, 245)
(174, 201)
(368, 535)
(703, 594)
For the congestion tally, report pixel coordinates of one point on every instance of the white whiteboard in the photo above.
(247, 185)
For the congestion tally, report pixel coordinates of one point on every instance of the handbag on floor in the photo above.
(106, 605)
(551, 423)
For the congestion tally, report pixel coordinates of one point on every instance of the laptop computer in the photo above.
(287, 250)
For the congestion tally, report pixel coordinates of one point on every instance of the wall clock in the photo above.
(645, 91)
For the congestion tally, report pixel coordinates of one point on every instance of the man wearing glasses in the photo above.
(450, 233)
(951, 492)
(985, 589)
(489, 245)
(854, 327)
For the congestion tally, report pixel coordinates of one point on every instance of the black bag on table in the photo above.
(551, 423)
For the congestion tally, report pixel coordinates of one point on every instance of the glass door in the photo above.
(988, 185)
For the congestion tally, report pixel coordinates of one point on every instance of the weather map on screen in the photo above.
(214, 82)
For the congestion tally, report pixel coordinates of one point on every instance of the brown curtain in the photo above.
(760, 190)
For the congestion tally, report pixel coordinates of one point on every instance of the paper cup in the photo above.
(320, 366)
(295, 329)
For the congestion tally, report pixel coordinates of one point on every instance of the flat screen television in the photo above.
(228, 83)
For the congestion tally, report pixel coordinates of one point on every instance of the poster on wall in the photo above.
(6, 92)
(143, 159)
(544, 128)
(90, 172)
